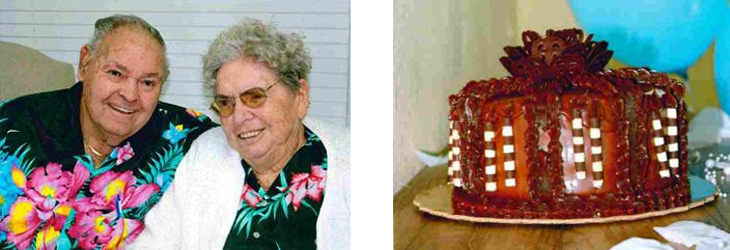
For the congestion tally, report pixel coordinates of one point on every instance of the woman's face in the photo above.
(262, 135)
(122, 83)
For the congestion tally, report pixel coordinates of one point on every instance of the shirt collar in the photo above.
(313, 152)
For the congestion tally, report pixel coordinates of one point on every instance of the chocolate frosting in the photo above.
(559, 82)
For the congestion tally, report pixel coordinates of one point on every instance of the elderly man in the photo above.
(80, 167)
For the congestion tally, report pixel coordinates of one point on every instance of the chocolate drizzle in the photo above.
(531, 140)
(551, 77)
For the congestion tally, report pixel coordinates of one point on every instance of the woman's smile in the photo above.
(250, 134)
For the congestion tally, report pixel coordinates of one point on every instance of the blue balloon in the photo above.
(667, 36)
(722, 66)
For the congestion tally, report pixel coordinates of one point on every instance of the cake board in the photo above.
(437, 201)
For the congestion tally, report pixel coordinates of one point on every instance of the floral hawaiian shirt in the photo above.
(285, 216)
(51, 194)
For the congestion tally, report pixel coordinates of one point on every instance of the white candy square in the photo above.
(577, 123)
(657, 124)
(451, 124)
(456, 151)
(672, 113)
(508, 148)
(488, 135)
(596, 150)
(456, 165)
(581, 175)
(597, 166)
(491, 169)
(597, 183)
(451, 140)
(672, 130)
(450, 170)
(507, 131)
(510, 182)
(664, 173)
(491, 186)
(674, 163)
(595, 133)
(451, 156)
(457, 182)
(509, 165)
(674, 147)
(577, 140)
(489, 153)
(658, 141)
(580, 157)
(662, 157)
(455, 134)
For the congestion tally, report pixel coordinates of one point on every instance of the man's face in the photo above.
(122, 83)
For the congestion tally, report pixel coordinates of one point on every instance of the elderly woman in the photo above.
(274, 182)
(80, 167)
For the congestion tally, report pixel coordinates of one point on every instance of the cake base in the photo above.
(437, 201)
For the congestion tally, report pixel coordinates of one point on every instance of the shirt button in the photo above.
(256, 235)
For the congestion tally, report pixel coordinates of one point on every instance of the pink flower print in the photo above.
(21, 223)
(297, 190)
(50, 193)
(250, 196)
(196, 114)
(124, 153)
(306, 185)
(110, 186)
(96, 228)
(91, 228)
(316, 182)
(48, 187)
(113, 192)
(193, 113)
(47, 238)
(125, 232)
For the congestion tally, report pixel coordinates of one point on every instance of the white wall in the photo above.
(59, 29)
(438, 46)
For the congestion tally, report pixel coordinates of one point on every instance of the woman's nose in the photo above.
(241, 113)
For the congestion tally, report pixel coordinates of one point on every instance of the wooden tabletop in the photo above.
(416, 230)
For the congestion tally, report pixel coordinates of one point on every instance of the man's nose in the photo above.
(129, 90)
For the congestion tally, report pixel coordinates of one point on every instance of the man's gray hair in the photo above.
(284, 53)
(103, 26)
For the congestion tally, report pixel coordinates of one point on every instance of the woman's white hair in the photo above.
(252, 38)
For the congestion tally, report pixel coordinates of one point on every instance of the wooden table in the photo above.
(416, 230)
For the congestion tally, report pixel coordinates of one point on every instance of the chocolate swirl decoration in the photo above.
(559, 55)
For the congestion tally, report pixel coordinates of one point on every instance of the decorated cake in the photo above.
(565, 138)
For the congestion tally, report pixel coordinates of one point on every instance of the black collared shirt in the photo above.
(285, 216)
(52, 195)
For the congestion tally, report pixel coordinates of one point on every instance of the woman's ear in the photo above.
(303, 98)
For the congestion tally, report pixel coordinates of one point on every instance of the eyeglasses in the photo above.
(252, 98)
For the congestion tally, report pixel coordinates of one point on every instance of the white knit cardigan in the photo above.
(198, 209)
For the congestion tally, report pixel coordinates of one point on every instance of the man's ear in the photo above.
(84, 58)
(303, 96)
